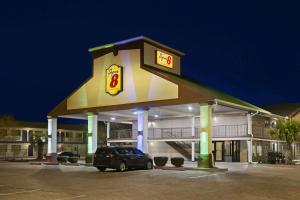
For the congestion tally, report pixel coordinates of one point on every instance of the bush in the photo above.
(177, 161)
(160, 161)
(73, 159)
(62, 159)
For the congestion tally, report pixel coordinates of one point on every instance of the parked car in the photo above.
(67, 154)
(121, 158)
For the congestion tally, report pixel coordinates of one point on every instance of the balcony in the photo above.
(226, 131)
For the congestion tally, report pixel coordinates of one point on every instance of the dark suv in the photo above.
(121, 158)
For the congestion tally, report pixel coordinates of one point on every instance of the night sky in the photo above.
(249, 50)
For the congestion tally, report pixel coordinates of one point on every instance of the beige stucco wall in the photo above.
(297, 116)
(138, 85)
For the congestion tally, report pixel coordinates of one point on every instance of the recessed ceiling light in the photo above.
(190, 108)
(113, 118)
(135, 113)
(156, 116)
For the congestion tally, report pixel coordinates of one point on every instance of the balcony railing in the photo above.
(10, 138)
(182, 133)
(261, 132)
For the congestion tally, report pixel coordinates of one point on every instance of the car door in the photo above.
(131, 158)
(141, 158)
(102, 157)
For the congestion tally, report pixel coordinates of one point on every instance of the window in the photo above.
(3, 133)
(78, 135)
(69, 134)
(3, 148)
(101, 151)
(126, 151)
(138, 152)
(16, 149)
(15, 133)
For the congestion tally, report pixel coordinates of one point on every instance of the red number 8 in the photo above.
(169, 60)
(114, 80)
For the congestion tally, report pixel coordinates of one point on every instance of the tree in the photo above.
(39, 140)
(289, 131)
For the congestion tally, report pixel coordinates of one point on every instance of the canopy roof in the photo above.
(188, 91)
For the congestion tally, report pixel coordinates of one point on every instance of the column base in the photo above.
(206, 161)
(51, 157)
(89, 158)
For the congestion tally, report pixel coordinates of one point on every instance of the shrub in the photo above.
(160, 161)
(62, 159)
(177, 161)
(73, 159)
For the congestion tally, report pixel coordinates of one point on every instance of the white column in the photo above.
(193, 135)
(249, 142)
(107, 133)
(92, 133)
(52, 139)
(27, 135)
(142, 135)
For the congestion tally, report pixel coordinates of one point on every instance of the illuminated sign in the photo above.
(164, 59)
(114, 80)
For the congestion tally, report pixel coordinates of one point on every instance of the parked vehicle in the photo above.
(62, 154)
(121, 158)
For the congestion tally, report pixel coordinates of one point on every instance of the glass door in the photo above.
(218, 151)
(235, 151)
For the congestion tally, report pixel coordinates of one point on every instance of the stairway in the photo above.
(181, 147)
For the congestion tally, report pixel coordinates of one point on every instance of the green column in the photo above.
(90, 149)
(205, 157)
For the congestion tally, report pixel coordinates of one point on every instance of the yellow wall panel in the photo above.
(138, 85)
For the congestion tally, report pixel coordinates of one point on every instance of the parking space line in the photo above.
(21, 192)
(208, 175)
(76, 197)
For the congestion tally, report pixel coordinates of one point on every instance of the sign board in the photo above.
(164, 59)
(114, 80)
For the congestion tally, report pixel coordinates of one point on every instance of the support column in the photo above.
(107, 133)
(27, 136)
(206, 159)
(92, 137)
(142, 135)
(52, 140)
(193, 135)
(249, 142)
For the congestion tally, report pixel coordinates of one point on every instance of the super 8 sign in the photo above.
(164, 59)
(114, 80)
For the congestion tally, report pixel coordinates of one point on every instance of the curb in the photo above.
(192, 169)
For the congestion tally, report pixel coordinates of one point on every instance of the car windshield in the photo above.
(125, 151)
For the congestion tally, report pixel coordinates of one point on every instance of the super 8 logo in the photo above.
(114, 80)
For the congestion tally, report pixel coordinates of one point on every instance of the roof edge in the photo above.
(134, 39)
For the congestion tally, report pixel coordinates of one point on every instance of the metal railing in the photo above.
(10, 138)
(230, 131)
(261, 132)
(182, 133)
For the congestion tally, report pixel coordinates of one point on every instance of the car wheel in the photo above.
(101, 169)
(149, 165)
(122, 167)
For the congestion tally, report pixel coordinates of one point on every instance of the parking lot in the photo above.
(24, 181)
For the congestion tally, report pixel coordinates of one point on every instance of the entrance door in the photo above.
(218, 151)
(30, 150)
(235, 151)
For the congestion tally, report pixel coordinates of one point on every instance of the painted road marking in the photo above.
(21, 192)
(76, 197)
(208, 175)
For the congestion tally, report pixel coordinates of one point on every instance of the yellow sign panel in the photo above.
(114, 80)
(164, 59)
